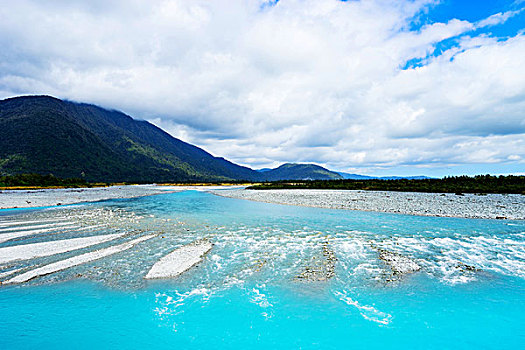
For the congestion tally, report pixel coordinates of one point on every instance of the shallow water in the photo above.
(247, 292)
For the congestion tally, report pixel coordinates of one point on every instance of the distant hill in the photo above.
(421, 177)
(355, 176)
(292, 171)
(348, 176)
(42, 134)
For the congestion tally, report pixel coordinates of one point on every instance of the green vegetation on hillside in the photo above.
(42, 135)
(453, 184)
(300, 172)
(37, 180)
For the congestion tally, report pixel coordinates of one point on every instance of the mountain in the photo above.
(348, 176)
(420, 177)
(42, 134)
(292, 171)
(45, 135)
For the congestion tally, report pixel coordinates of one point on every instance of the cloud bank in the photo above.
(360, 86)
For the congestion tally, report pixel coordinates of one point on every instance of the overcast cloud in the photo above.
(355, 86)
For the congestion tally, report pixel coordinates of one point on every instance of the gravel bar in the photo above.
(180, 260)
(75, 261)
(490, 206)
(37, 250)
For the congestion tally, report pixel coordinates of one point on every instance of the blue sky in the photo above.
(471, 11)
(378, 87)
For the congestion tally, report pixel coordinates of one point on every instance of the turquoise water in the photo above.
(246, 294)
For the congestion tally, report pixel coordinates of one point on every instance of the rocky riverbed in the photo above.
(52, 197)
(490, 206)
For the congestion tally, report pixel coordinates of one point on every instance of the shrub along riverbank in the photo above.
(452, 184)
(37, 181)
(41, 181)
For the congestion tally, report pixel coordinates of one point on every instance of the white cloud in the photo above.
(310, 80)
(498, 18)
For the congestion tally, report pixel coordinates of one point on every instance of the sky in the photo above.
(378, 87)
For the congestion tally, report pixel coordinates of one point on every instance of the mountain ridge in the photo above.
(348, 176)
(45, 135)
(299, 171)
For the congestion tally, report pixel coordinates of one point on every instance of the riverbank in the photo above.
(490, 206)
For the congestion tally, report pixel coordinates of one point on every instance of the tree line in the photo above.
(450, 184)
(38, 180)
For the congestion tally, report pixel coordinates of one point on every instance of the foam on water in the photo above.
(368, 312)
(277, 253)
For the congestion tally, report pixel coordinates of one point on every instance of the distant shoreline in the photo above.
(35, 197)
(36, 188)
(29, 188)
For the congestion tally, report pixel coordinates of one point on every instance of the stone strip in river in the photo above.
(180, 260)
(76, 260)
